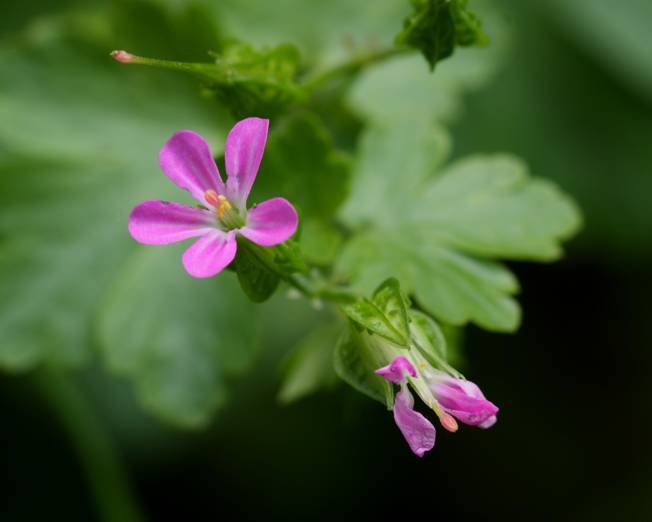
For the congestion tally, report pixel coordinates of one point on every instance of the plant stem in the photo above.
(97, 455)
(350, 67)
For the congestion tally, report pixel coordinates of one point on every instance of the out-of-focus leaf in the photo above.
(320, 242)
(392, 161)
(401, 88)
(326, 32)
(176, 337)
(81, 151)
(356, 358)
(302, 164)
(482, 206)
(436, 27)
(310, 367)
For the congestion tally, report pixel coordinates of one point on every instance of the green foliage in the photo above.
(260, 82)
(436, 225)
(302, 164)
(254, 265)
(80, 158)
(401, 89)
(356, 358)
(436, 26)
(310, 366)
(320, 242)
(176, 338)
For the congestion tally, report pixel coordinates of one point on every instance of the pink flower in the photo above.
(417, 430)
(463, 400)
(186, 159)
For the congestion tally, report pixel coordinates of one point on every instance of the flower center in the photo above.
(227, 215)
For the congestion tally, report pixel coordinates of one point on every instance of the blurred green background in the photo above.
(567, 86)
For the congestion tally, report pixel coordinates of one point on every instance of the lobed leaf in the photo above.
(176, 338)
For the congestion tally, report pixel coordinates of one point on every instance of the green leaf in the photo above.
(369, 316)
(356, 358)
(437, 26)
(391, 164)
(302, 164)
(326, 32)
(433, 235)
(260, 82)
(80, 152)
(176, 337)
(400, 88)
(310, 366)
(391, 302)
(252, 264)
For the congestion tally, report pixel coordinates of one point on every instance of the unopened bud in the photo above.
(123, 56)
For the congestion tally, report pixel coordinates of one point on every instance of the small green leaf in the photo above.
(369, 316)
(391, 301)
(437, 26)
(252, 264)
(310, 367)
(176, 337)
(356, 359)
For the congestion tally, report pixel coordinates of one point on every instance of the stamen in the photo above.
(222, 206)
(212, 198)
(448, 422)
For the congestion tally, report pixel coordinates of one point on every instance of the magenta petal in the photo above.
(187, 160)
(210, 254)
(398, 370)
(245, 145)
(417, 430)
(465, 401)
(160, 222)
(488, 423)
(271, 222)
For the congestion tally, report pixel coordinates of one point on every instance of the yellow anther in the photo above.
(222, 206)
(422, 365)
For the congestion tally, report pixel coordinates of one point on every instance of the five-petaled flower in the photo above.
(447, 396)
(186, 159)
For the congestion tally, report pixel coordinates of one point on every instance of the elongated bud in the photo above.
(448, 422)
(123, 56)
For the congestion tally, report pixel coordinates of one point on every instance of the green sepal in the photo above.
(368, 315)
(394, 304)
(355, 360)
(253, 266)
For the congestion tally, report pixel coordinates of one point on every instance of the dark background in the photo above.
(574, 431)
